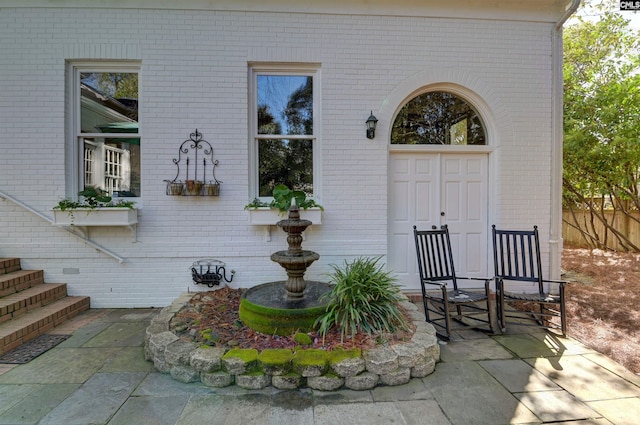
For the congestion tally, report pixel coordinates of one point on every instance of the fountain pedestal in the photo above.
(285, 307)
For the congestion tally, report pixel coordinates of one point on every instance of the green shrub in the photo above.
(364, 299)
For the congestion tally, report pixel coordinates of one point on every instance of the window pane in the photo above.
(285, 104)
(438, 118)
(112, 165)
(285, 161)
(109, 104)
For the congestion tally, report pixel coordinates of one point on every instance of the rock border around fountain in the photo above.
(219, 367)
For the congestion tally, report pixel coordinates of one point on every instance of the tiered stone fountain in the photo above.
(284, 307)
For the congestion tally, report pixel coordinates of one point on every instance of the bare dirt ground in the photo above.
(603, 303)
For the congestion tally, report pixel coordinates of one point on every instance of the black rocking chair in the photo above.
(516, 257)
(441, 304)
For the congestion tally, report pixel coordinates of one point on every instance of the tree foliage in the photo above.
(602, 123)
(282, 160)
(432, 118)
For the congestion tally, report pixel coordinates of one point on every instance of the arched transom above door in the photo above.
(438, 118)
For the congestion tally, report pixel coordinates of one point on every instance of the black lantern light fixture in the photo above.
(371, 126)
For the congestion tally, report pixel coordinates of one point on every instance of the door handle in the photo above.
(442, 213)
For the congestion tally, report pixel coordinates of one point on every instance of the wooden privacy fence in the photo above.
(578, 225)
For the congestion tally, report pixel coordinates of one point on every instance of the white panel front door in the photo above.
(428, 190)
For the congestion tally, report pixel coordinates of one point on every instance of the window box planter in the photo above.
(112, 216)
(270, 216)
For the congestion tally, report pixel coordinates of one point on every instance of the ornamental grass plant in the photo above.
(365, 298)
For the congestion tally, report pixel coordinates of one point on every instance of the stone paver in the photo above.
(60, 366)
(37, 404)
(585, 379)
(422, 412)
(625, 411)
(556, 405)
(150, 410)
(482, 349)
(517, 376)
(99, 375)
(468, 394)
(96, 400)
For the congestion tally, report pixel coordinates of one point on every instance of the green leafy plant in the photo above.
(93, 198)
(364, 299)
(282, 197)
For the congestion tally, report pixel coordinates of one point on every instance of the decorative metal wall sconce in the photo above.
(371, 126)
(210, 272)
(194, 182)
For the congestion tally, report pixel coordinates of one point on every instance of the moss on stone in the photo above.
(275, 357)
(274, 321)
(311, 357)
(336, 356)
(302, 339)
(247, 355)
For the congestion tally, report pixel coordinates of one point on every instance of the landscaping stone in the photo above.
(290, 381)
(400, 376)
(348, 367)
(207, 359)
(325, 383)
(238, 361)
(178, 352)
(381, 360)
(429, 342)
(184, 374)
(158, 343)
(275, 362)
(253, 381)
(414, 314)
(423, 369)
(408, 306)
(217, 379)
(310, 363)
(361, 382)
(283, 369)
(410, 354)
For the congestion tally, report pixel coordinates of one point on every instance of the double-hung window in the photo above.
(284, 121)
(105, 126)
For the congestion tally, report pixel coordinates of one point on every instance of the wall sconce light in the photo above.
(371, 126)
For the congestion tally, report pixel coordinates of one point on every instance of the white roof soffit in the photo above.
(524, 10)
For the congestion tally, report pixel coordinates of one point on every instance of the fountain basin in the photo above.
(267, 308)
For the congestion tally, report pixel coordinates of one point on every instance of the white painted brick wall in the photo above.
(194, 75)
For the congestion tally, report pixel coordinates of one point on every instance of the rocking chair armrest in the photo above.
(486, 279)
(439, 284)
(560, 282)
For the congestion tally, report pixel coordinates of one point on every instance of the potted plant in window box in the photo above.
(95, 208)
(264, 213)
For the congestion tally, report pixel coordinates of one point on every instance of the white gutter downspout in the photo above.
(555, 240)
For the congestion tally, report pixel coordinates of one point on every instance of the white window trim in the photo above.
(75, 156)
(303, 69)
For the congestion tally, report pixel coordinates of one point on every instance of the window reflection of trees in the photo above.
(438, 118)
(284, 112)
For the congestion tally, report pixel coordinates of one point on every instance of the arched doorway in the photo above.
(438, 174)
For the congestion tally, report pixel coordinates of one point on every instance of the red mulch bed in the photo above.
(217, 311)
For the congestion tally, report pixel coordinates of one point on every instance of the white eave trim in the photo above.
(519, 10)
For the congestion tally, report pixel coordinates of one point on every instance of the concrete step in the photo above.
(19, 280)
(19, 303)
(17, 331)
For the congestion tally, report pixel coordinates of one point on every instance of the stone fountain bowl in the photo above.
(265, 308)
